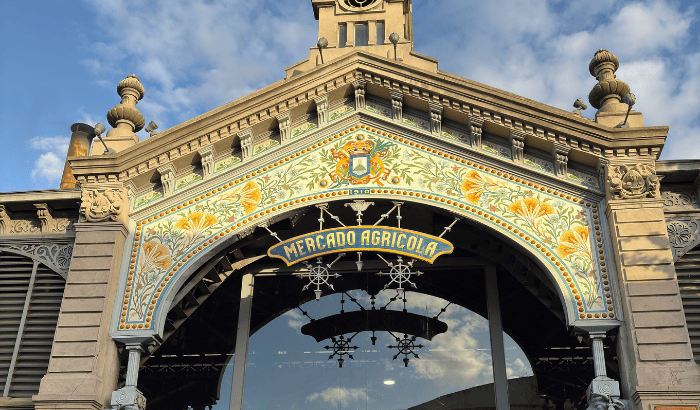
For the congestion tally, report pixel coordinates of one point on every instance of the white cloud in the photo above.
(50, 163)
(295, 319)
(338, 395)
(517, 368)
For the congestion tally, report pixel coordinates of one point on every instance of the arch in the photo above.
(562, 233)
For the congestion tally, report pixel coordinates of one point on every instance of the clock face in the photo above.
(360, 3)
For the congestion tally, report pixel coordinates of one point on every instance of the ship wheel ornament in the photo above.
(319, 274)
(341, 347)
(400, 273)
(406, 346)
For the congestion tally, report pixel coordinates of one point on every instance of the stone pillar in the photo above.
(655, 357)
(130, 397)
(84, 364)
(242, 335)
(79, 146)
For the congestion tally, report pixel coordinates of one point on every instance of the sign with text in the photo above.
(361, 238)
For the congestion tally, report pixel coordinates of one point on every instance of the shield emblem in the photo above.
(359, 165)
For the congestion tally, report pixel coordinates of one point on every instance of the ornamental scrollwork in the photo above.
(682, 235)
(102, 205)
(45, 224)
(679, 200)
(55, 256)
(632, 182)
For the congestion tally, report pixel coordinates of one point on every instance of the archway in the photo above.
(199, 343)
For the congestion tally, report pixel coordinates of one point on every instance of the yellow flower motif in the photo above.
(531, 209)
(155, 254)
(473, 186)
(195, 223)
(248, 196)
(573, 241)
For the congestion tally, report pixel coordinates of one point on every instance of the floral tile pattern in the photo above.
(302, 129)
(142, 200)
(496, 149)
(264, 146)
(539, 163)
(583, 178)
(339, 112)
(556, 228)
(377, 109)
(455, 135)
(416, 122)
(225, 163)
(186, 180)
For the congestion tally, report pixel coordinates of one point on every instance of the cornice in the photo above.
(458, 96)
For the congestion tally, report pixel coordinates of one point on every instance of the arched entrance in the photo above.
(202, 322)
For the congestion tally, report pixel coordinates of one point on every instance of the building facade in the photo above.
(567, 233)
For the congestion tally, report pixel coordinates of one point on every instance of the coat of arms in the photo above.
(360, 162)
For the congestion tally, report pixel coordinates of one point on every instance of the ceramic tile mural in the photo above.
(186, 180)
(302, 129)
(554, 227)
(539, 163)
(142, 200)
(416, 122)
(264, 146)
(583, 178)
(225, 163)
(339, 112)
(496, 149)
(377, 108)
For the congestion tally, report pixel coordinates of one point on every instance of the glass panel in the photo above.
(361, 34)
(342, 35)
(380, 33)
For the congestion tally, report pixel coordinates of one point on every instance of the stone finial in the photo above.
(606, 96)
(125, 117)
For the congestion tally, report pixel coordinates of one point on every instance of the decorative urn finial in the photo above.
(606, 96)
(125, 117)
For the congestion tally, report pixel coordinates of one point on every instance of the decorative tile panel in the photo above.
(186, 180)
(539, 163)
(496, 149)
(225, 163)
(339, 112)
(303, 129)
(264, 146)
(142, 200)
(583, 178)
(562, 232)
(377, 108)
(414, 121)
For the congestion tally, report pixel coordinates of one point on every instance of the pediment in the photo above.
(465, 104)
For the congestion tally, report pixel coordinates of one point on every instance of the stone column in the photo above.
(655, 357)
(84, 364)
(130, 397)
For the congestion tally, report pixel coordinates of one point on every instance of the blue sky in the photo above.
(60, 60)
